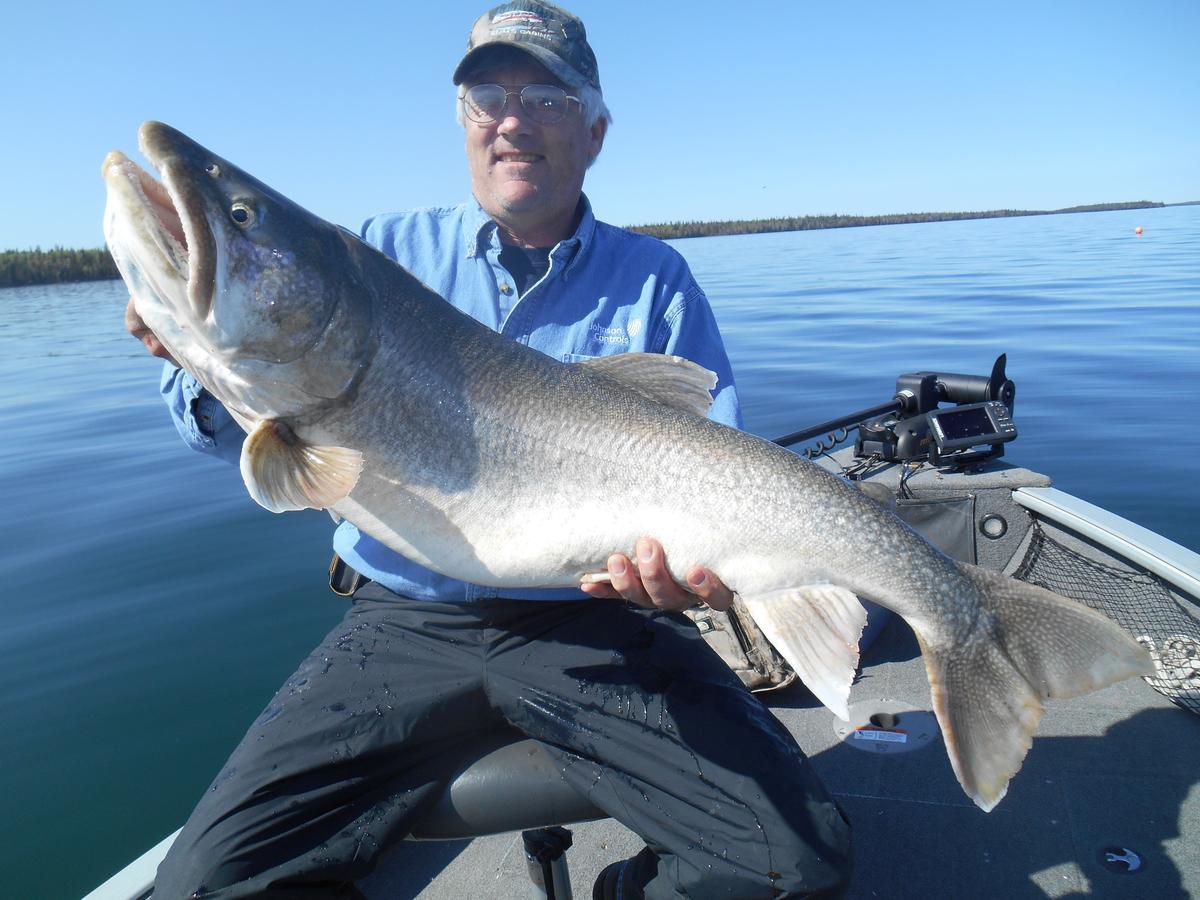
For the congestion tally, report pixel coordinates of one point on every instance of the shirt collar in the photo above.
(482, 233)
(478, 229)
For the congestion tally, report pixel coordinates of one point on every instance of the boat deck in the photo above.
(1113, 771)
(1107, 803)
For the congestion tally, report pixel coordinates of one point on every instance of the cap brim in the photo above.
(560, 70)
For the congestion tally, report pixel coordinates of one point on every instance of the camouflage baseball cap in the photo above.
(551, 35)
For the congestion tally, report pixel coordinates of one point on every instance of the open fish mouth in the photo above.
(165, 227)
(159, 227)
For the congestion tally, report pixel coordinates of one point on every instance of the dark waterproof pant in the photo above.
(642, 716)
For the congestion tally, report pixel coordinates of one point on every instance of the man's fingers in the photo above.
(156, 348)
(625, 580)
(133, 322)
(600, 589)
(649, 583)
(137, 326)
(709, 588)
(657, 582)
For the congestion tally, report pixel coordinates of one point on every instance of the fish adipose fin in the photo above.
(283, 473)
(1030, 644)
(672, 380)
(816, 629)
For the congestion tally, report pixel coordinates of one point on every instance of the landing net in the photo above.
(1137, 601)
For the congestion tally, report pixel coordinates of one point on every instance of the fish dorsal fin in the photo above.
(282, 472)
(816, 629)
(673, 380)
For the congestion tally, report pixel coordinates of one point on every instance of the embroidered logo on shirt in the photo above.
(602, 335)
(615, 334)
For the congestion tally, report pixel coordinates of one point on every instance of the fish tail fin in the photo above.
(1029, 644)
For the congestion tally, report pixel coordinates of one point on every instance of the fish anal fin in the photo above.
(671, 380)
(816, 628)
(283, 472)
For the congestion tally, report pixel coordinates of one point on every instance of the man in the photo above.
(638, 711)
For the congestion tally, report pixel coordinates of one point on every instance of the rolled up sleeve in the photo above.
(203, 423)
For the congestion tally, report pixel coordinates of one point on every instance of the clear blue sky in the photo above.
(723, 110)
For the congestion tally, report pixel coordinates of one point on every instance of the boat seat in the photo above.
(506, 782)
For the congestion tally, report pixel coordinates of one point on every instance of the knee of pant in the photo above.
(187, 871)
(829, 880)
(817, 863)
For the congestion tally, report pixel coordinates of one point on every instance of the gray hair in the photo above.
(592, 101)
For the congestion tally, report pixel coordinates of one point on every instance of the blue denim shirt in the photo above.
(608, 291)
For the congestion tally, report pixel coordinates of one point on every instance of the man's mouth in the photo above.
(519, 157)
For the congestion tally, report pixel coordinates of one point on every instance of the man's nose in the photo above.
(514, 119)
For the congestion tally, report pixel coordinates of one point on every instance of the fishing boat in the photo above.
(1107, 803)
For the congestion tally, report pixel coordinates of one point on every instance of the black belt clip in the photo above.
(343, 580)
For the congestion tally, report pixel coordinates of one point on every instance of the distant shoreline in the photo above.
(19, 268)
(677, 230)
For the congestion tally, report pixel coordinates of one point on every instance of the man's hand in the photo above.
(140, 330)
(648, 583)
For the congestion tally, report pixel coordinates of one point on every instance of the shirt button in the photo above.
(505, 287)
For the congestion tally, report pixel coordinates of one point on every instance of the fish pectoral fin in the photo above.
(671, 380)
(282, 472)
(816, 628)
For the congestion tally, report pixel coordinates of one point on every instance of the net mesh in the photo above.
(1137, 601)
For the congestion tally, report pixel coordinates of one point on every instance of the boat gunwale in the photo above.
(1172, 562)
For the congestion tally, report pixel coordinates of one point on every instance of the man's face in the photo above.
(526, 175)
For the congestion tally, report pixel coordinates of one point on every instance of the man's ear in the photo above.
(599, 130)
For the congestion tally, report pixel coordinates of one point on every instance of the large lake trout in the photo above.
(364, 393)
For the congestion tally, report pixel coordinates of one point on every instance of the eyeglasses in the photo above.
(544, 103)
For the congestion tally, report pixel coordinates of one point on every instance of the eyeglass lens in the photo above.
(543, 103)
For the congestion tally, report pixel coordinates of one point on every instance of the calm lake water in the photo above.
(150, 609)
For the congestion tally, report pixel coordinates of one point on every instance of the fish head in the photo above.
(256, 297)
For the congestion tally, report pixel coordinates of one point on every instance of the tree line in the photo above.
(671, 230)
(21, 267)
(37, 266)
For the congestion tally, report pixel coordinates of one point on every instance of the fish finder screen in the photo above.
(966, 423)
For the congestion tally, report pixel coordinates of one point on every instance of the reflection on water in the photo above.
(151, 609)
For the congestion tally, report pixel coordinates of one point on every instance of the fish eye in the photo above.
(213, 169)
(242, 214)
